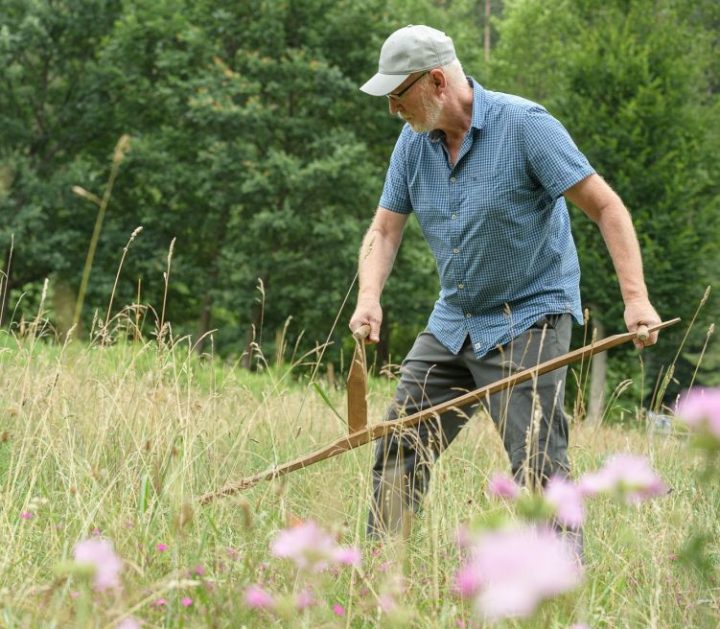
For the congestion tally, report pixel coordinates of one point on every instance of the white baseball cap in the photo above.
(412, 48)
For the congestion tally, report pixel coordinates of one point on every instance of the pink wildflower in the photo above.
(567, 500)
(463, 537)
(387, 603)
(338, 609)
(27, 515)
(628, 475)
(199, 570)
(311, 548)
(700, 409)
(503, 486)
(258, 598)
(347, 556)
(99, 553)
(304, 600)
(161, 548)
(186, 601)
(160, 602)
(468, 581)
(511, 571)
(306, 544)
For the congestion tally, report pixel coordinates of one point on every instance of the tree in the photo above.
(52, 130)
(247, 149)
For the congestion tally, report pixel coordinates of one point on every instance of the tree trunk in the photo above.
(204, 323)
(486, 33)
(5, 284)
(255, 332)
(382, 350)
(598, 373)
(64, 305)
(213, 276)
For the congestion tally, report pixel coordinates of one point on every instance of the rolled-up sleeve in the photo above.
(395, 195)
(554, 159)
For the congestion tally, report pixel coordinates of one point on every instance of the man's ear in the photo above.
(437, 76)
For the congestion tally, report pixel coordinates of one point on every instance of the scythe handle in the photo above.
(362, 332)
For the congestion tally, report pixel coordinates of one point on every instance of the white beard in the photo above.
(432, 112)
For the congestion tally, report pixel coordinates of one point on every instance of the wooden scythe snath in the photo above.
(362, 433)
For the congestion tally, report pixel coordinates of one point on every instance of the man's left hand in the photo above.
(641, 312)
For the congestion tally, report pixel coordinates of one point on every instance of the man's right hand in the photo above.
(368, 312)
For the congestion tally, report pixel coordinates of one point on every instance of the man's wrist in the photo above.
(368, 295)
(636, 297)
(634, 292)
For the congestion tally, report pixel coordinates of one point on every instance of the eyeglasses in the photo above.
(398, 95)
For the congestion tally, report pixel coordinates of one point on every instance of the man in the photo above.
(486, 175)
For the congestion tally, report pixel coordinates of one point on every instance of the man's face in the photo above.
(415, 103)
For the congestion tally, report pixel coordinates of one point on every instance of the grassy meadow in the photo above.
(119, 442)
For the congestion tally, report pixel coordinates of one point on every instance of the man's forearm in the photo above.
(618, 232)
(603, 206)
(377, 256)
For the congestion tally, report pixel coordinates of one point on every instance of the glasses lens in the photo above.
(399, 95)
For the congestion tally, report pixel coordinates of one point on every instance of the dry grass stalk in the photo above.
(121, 149)
(161, 331)
(134, 235)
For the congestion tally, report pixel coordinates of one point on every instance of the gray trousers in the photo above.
(529, 418)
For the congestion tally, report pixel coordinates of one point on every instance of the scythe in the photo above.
(360, 432)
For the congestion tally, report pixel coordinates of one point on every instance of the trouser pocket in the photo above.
(550, 321)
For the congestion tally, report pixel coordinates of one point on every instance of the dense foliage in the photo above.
(254, 152)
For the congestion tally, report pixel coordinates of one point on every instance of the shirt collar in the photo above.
(478, 114)
(479, 104)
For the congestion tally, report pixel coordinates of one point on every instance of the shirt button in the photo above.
(467, 315)
(461, 285)
(453, 216)
(456, 250)
(477, 345)
(452, 179)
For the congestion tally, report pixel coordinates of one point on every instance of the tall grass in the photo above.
(119, 441)
(121, 148)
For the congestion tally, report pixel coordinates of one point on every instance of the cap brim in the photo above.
(382, 84)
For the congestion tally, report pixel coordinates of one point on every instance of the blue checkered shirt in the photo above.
(496, 221)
